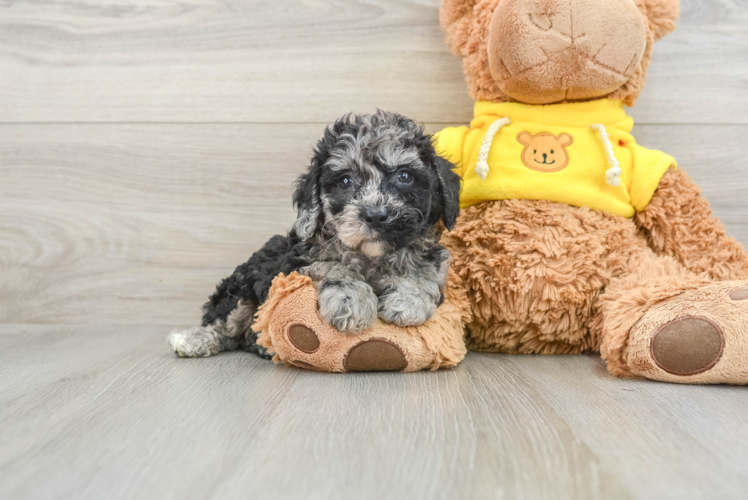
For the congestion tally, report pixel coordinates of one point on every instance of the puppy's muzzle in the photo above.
(376, 216)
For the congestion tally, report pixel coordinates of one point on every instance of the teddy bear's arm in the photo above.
(678, 222)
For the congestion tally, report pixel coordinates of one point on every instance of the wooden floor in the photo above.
(92, 412)
(148, 147)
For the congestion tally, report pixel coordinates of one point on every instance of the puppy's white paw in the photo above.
(406, 305)
(197, 342)
(349, 307)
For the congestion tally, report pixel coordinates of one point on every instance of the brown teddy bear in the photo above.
(615, 250)
(572, 238)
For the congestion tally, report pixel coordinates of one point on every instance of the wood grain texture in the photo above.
(309, 61)
(123, 224)
(147, 147)
(108, 412)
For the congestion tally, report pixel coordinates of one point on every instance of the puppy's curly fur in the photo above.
(370, 214)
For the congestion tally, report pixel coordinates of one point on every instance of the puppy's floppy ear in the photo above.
(449, 183)
(307, 202)
(306, 197)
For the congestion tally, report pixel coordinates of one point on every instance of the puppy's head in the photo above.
(376, 183)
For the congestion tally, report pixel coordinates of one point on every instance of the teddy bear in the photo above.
(572, 237)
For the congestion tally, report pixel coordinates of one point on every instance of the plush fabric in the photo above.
(293, 302)
(568, 50)
(679, 223)
(661, 295)
(466, 24)
(514, 161)
(534, 272)
(630, 353)
(549, 278)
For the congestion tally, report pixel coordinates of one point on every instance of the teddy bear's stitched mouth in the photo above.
(545, 162)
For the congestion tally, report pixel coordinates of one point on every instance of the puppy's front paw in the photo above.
(405, 305)
(349, 307)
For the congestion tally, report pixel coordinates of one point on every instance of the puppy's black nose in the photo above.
(376, 215)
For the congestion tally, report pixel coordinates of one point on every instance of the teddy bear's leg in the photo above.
(293, 330)
(678, 222)
(662, 322)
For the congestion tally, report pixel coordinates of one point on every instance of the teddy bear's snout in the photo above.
(547, 51)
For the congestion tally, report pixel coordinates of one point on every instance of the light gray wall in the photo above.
(147, 149)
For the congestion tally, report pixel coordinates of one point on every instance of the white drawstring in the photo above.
(481, 168)
(613, 174)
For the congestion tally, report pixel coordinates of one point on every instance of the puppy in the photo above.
(370, 214)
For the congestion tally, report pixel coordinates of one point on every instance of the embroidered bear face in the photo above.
(545, 152)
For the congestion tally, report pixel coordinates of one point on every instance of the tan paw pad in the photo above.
(303, 338)
(375, 355)
(687, 346)
(739, 294)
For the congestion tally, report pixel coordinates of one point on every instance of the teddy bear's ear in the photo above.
(663, 16)
(524, 138)
(565, 140)
(455, 17)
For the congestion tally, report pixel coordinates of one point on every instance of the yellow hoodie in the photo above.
(582, 154)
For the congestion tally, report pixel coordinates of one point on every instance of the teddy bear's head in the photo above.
(549, 51)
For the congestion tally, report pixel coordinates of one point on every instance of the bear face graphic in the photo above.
(545, 152)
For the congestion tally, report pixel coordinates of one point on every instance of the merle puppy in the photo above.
(370, 210)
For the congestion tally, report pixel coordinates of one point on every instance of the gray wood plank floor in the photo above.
(93, 412)
(148, 147)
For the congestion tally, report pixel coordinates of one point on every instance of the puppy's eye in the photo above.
(405, 177)
(345, 182)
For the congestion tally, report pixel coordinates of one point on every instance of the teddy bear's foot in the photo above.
(698, 337)
(373, 354)
(292, 328)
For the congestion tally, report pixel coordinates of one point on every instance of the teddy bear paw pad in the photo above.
(688, 346)
(303, 339)
(375, 355)
(739, 294)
